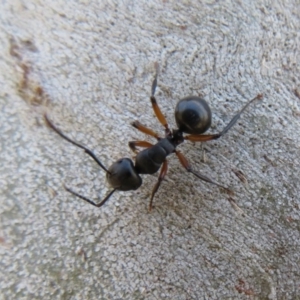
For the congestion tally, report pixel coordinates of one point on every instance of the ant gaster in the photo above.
(192, 115)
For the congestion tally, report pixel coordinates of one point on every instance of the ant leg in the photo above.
(161, 118)
(90, 201)
(188, 167)
(161, 177)
(133, 144)
(144, 129)
(208, 137)
(86, 150)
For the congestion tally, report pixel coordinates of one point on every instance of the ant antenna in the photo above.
(86, 150)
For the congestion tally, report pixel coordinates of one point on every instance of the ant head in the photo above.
(123, 176)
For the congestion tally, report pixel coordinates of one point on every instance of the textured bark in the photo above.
(90, 66)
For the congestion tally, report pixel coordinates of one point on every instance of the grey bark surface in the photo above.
(90, 65)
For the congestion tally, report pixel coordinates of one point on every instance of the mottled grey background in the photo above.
(90, 65)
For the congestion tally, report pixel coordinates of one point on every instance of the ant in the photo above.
(192, 115)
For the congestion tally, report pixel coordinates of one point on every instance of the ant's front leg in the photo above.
(162, 175)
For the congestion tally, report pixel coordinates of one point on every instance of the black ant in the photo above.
(192, 115)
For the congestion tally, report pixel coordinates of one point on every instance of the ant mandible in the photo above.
(192, 115)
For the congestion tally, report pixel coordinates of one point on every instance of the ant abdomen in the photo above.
(123, 176)
(193, 115)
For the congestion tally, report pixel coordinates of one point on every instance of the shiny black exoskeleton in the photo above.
(150, 160)
(192, 115)
(123, 175)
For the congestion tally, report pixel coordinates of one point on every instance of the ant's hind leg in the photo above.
(208, 137)
(161, 118)
(188, 167)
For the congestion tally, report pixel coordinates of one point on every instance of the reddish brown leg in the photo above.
(144, 129)
(208, 137)
(133, 144)
(188, 167)
(161, 118)
(161, 177)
